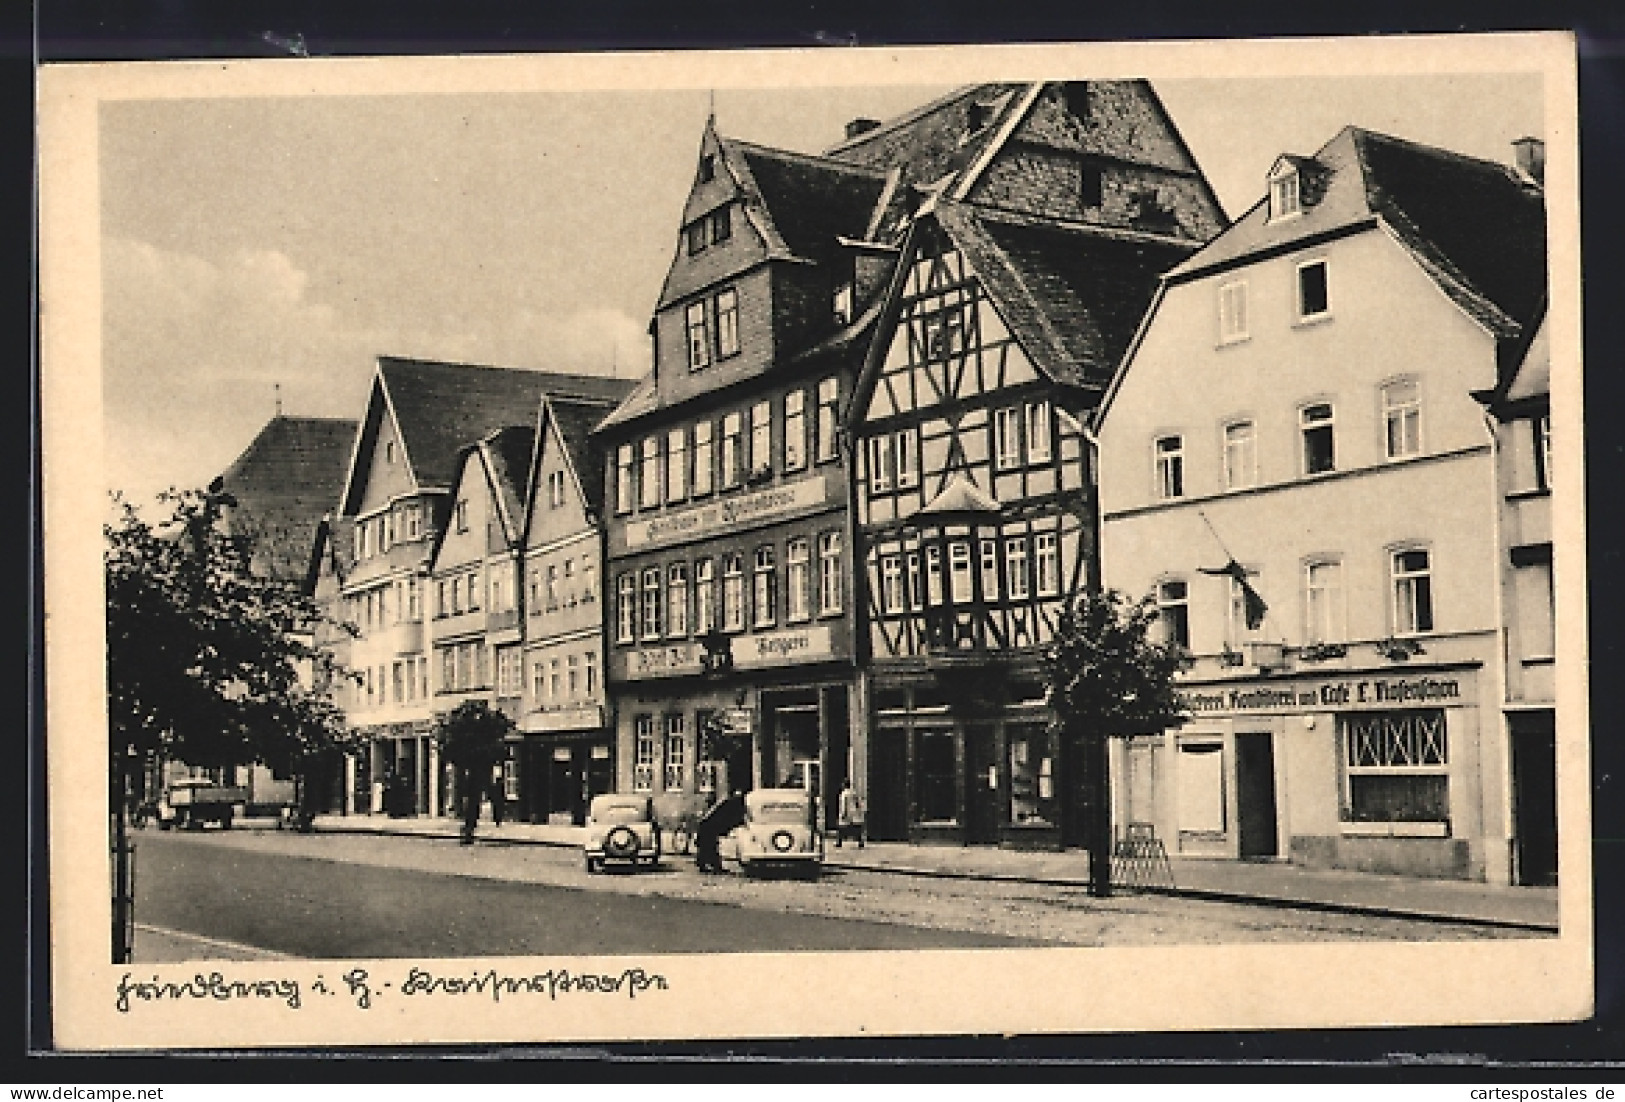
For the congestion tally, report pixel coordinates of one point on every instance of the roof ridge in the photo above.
(814, 160)
(1361, 133)
(913, 115)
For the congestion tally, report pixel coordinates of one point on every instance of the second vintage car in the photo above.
(621, 829)
(778, 832)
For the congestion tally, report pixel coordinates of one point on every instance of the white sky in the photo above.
(255, 241)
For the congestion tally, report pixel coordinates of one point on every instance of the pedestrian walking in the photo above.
(849, 822)
(725, 815)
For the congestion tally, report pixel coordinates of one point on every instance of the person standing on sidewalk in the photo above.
(849, 820)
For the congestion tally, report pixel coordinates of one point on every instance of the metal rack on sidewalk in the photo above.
(1139, 859)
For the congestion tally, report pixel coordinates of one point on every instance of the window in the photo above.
(761, 438)
(937, 787)
(828, 394)
(705, 597)
(732, 438)
(933, 575)
(676, 464)
(916, 598)
(591, 669)
(696, 237)
(1413, 591)
(472, 582)
(626, 609)
(841, 304)
(677, 599)
(460, 515)
(414, 599)
(1284, 195)
(414, 522)
(944, 333)
(552, 586)
(675, 746)
(397, 681)
(1015, 559)
(1543, 451)
(572, 676)
(569, 591)
(1047, 564)
(990, 569)
(733, 592)
(1318, 444)
(795, 430)
(797, 557)
(1313, 295)
(1323, 603)
(1091, 182)
(765, 588)
(389, 451)
(727, 323)
(708, 168)
(1402, 418)
(555, 489)
(880, 464)
(959, 573)
(1038, 434)
(649, 474)
(829, 573)
(510, 672)
(1173, 612)
(1007, 438)
(722, 225)
(908, 458)
(442, 598)
(448, 669)
(702, 457)
(643, 754)
(1396, 767)
(651, 603)
(1170, 461)
(623, 478)
(891, 584)
(1232, 311)
(1240, 455)
(699, 337)
(589, 581)
(388, 520)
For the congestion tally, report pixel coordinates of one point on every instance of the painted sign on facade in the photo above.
(664, 661)
(587, 717)
(1426, 690)
(775, 648)
(719, 516)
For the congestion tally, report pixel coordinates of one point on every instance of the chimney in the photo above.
(1530, 156)
(861, 126)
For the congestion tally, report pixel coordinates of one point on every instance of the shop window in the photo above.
(795, 430)
(643, 754)
(1402, 418)
(765, 588)
(1032, 777)
(705, 596)
(1233, 311)
(830, 580)
(1396, 767)
(651, 603)
(649, 474)
(677, 464)
(936, 791)
(699, 336)
(733, 592)
(1316, 424)
(1413, 591)
(732, 443)
(702, 457)
(1323, 602)
(1170, 467)
(1314, 292)
(828, 395)
(798, 580)
(1174, 612)
(623, 478)
(727, 323)
(677, 600)
(676, 752)
(1240, 455)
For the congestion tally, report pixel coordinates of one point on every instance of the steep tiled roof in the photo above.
(643, 399)
(288, 477)
(1073, 297)
(507, 454)
(1474, 226)
(575, 420)
(1532, 377)
(811, 200)
(440, 407)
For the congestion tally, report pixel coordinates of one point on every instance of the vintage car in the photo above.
(778, 832)
(621, 830)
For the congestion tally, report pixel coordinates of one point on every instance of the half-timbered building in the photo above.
(1024, 270)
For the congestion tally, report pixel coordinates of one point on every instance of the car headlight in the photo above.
(621, 842)
(783, 841)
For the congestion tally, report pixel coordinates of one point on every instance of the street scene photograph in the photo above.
(1073, 512)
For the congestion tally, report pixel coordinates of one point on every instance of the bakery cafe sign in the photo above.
(1306, 696)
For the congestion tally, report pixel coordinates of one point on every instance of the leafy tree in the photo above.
(471, 739)
(208, 663)
(1106, 674)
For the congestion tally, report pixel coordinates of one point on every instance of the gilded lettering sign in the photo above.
(717, 516)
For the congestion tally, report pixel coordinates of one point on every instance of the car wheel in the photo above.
(593, 865)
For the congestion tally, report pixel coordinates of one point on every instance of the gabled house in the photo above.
(283, 483)
(374, 553)
(1292, 463)
(727, 560)
(1042, 216)
(566, 752)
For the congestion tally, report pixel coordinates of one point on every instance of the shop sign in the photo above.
(715, 517)
(779, 648)
(736, 721)
(586, 717)
(1320, 696)
(663, 661)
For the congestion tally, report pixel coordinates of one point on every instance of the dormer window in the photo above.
(1284, 194)
(842, 304)
(696, 234)
(708, 168)
(722, 226)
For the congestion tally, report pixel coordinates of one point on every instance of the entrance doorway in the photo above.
(888, 784)
(564, 768)
(1255, 796)
(1534, 797)
(981, 785)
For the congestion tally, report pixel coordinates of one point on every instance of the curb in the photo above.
(1214, 895)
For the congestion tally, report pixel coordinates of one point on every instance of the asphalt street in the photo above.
(350, 895)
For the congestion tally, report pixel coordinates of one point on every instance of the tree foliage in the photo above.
(205, 658)
(1105, 671)
(471, 735)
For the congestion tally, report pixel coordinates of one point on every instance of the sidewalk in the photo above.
(1262, 883)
